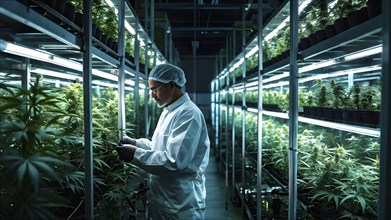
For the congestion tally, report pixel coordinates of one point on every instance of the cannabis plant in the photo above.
(338, 94)
(371, 99)
(31, 169)
(355, 96)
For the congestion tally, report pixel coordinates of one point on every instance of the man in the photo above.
(178, 153)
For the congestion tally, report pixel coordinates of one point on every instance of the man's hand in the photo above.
(126, 152)
(128, 140)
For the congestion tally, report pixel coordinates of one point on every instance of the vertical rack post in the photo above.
(27, 75)
(259, 115)
(87, 103)
(233, 138)
(146, 65)
(243, 107)
(121, 73)
(137, 75)
(226, 133)
(154, 59)
(385, 119)
(218, 121)
(293, 109)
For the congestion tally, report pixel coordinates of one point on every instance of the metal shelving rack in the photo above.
(65, 50)
(370, 34)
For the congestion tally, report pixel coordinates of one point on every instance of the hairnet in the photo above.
(165, 73)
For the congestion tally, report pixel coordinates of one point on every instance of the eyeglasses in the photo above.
(155, 91)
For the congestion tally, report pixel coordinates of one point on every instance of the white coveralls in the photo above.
(176, 158)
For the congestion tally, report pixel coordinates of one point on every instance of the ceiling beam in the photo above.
(190, 6)
(201, 29)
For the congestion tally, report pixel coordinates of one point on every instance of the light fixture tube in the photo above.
(132, 83)
(252, 88)
(316, 66)
(49, 58)
(251, 84)
(70, 77)
(254, 110)
(100, 83)
(129, 28)
(341, 73)
(366, 53)
(343, 127)
(252, 51)
(276, 77)
(55, 74)
(279, 84)
(282, 24)
(104, 75)
(22, 51)
(38, 55)
(277, 29)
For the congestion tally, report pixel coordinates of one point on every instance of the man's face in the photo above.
(160, 92)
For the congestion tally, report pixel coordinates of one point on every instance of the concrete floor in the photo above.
(217, 196)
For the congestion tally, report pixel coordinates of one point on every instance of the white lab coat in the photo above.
(177, 158)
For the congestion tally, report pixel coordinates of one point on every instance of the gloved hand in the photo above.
(128, 140)
(126, 152)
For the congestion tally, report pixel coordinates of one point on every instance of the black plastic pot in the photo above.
(330, 31)
(338, 115)
(131, 59)
(304, 43)
(98, 34)
(374, 8)
(70, 12)
(313, 39)
(253, 70)
(60, 6)
(109, 42)
(267, 63)
(341, 25)
(93, 30)
(320, 35)
(50, 3)
(271, 107)
(370, 118)
(308, 111)
(329, 114)
(273, 61)
(285, 54)
(114, 46)
(358, 17)
(79, 19)
(352, 116)
(357, 117)
(104, 38)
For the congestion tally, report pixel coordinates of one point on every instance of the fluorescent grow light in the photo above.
(327, 124)
(341, 73)
(366, 53)
(276, 77)
(282, 24)
(38, 55)
(55, 74)
(50, 58)
(316, 66)
(252, 51)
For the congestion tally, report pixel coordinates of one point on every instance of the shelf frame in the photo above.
(29, 17)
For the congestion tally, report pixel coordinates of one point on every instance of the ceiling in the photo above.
(209, 22)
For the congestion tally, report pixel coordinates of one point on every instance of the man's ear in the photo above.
(172, 84)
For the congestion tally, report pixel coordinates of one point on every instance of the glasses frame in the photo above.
(156, 90)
